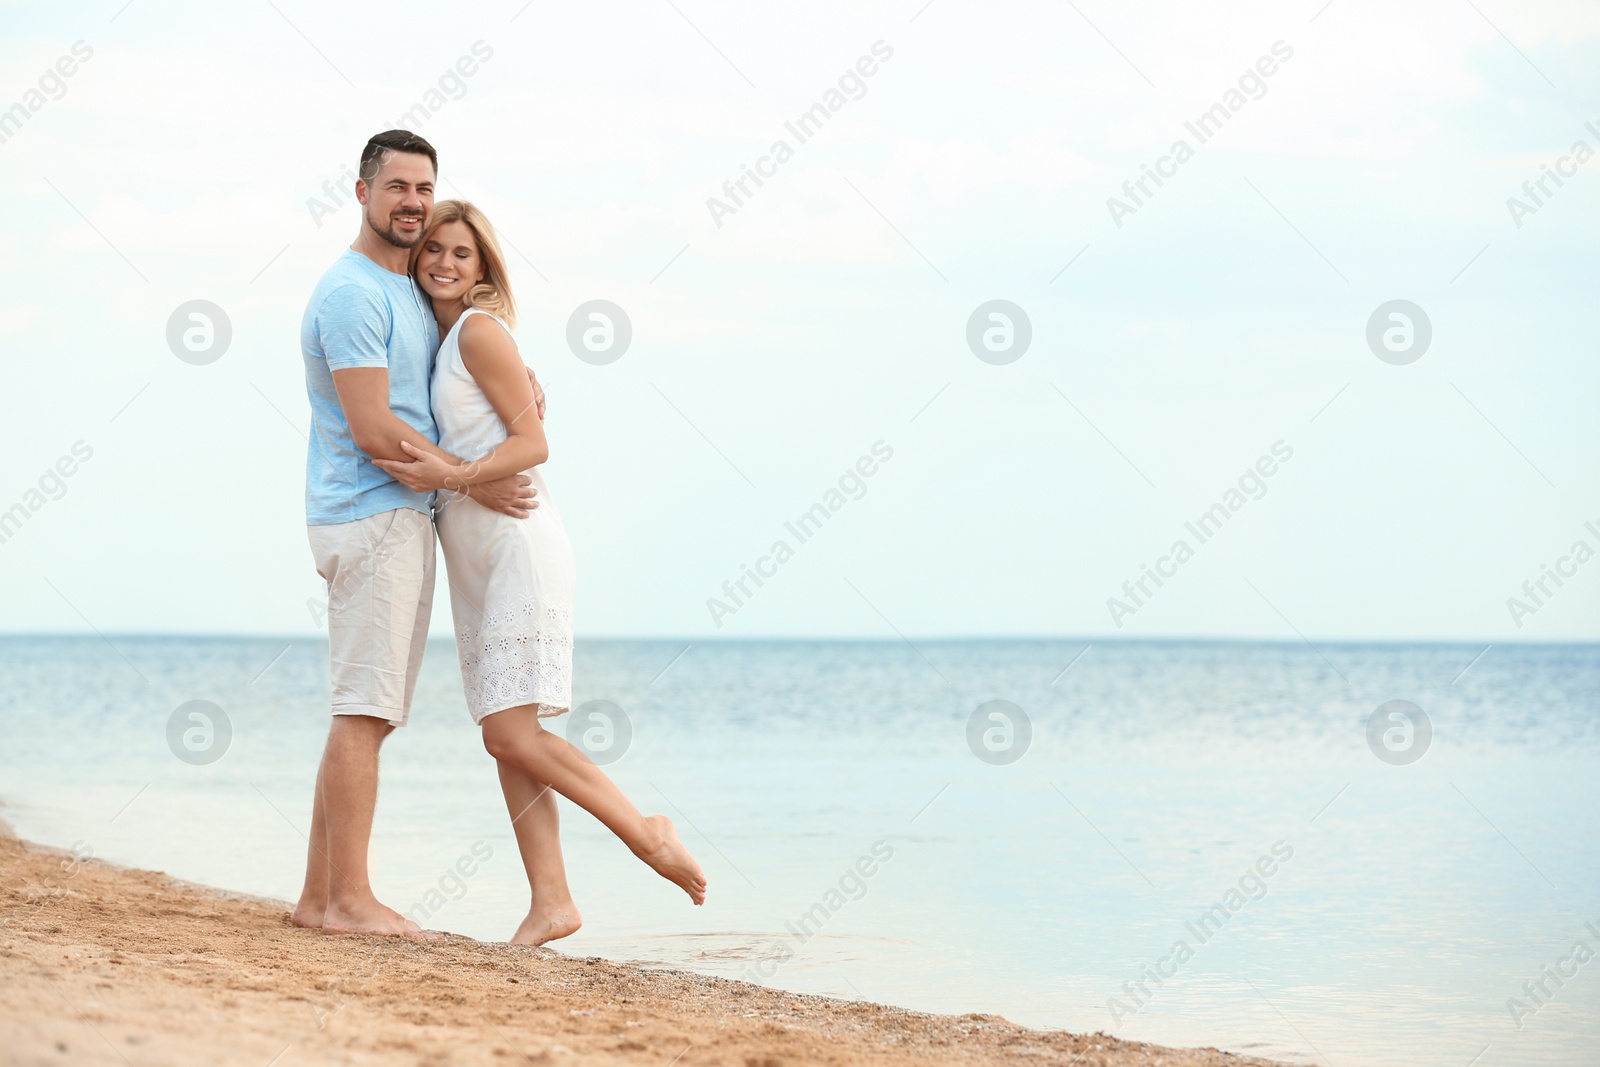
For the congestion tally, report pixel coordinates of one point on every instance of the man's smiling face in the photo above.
(399, 198)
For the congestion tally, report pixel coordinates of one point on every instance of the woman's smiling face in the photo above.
(448, 264)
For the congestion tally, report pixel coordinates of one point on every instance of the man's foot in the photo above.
(548, 924)
(672, 861)
(309, 914)
(372, 918)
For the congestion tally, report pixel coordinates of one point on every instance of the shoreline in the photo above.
(114, 965)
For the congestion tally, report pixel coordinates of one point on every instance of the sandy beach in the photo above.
(103, 964)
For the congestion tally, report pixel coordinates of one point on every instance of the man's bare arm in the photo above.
(378, 431)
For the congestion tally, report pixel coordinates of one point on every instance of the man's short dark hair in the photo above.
(378, 148)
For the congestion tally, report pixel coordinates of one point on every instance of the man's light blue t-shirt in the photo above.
(363, 316)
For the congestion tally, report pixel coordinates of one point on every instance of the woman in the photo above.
(511, 580)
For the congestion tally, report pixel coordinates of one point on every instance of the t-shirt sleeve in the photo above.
(353, 327)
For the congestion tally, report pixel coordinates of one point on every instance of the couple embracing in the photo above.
(412, 433)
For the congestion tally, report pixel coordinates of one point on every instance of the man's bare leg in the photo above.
(516, 736)
(347, 793)
(314, 894)
(537, 823)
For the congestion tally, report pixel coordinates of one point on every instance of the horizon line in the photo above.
(843, 638)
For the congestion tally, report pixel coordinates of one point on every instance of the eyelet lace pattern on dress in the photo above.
(518, 658)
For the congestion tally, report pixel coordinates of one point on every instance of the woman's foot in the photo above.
(547, 924)
(671, 860)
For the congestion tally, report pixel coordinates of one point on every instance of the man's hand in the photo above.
(538, 393)
(511, 495)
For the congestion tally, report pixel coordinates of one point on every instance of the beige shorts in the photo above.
(379, 572)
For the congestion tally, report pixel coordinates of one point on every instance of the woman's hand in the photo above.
(425, 473)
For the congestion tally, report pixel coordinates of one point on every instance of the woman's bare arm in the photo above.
(491, 357)
(386, 438)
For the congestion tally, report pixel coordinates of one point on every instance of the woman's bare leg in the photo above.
(537, 823)
(516, 737)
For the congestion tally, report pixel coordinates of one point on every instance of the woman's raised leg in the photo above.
(537, 824)
(516, 737)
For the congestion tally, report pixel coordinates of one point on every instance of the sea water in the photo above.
(1193, 843)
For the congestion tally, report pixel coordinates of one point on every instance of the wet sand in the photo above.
(106, 965)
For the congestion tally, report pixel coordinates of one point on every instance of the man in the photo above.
(368, 339)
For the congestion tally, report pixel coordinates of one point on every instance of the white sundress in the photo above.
(511, 580)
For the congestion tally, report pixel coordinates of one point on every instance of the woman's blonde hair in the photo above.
(493, 294)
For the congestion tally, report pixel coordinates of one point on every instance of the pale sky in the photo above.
(830, 311)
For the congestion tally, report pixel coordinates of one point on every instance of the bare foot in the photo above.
(672, 861)
(371, 917)
(309, 914)
(548, 924)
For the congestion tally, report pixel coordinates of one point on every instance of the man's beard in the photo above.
(393, 236)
